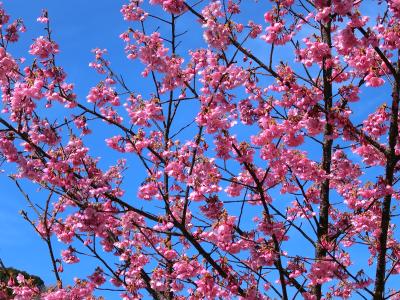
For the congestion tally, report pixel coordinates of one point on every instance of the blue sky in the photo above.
(78, 27)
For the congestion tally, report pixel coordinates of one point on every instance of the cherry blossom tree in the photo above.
(268, 155)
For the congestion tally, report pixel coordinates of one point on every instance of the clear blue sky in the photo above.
(78, 27)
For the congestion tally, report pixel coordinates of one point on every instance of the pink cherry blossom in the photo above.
(238, 150)
(43, 48)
